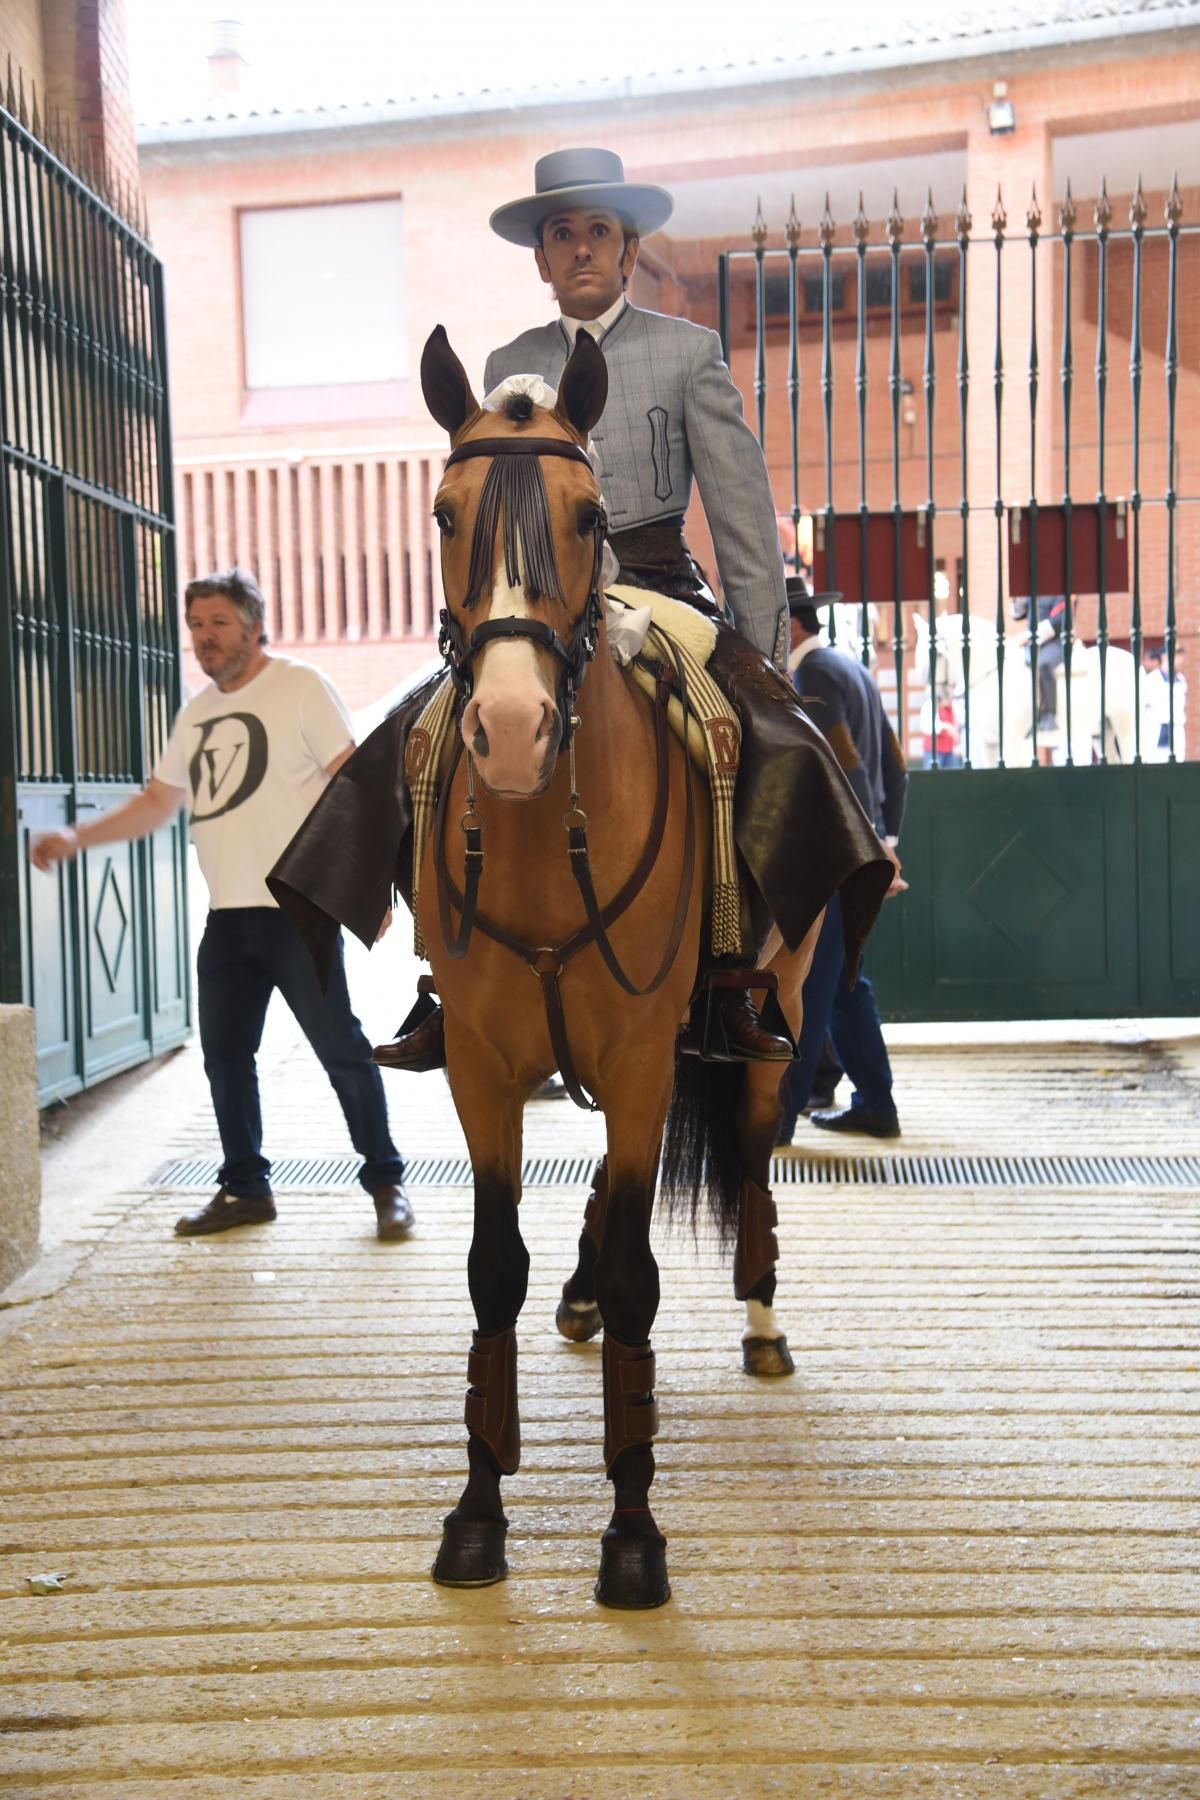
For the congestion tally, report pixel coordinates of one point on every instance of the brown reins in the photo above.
(547, 962)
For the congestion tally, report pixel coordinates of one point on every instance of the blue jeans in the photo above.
(246, 952)
(851, 1017)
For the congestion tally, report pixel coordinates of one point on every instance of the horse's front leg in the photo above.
(764, 1342)
(633, 1561)
(490, 1108)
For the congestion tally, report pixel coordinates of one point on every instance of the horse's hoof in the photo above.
(472, 1553)
(578, 1324)
(633, 1572)
(767, 1356)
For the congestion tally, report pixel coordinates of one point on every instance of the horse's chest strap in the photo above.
(547, 963)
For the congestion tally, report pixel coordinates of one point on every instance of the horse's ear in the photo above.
(583, 388)
(444, 383)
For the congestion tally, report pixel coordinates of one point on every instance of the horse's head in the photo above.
(522, 525)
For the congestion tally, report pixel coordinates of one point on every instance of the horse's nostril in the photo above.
(479, 743)
(549, 714)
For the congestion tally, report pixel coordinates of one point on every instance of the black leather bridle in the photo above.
(547, 962)
(459, 651)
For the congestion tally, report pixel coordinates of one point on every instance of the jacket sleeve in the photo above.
(824, 701)
(734, 486)
(895, 781)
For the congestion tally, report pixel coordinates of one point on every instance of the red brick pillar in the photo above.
(87, 79)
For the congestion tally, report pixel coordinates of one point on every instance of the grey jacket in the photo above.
(673, 412)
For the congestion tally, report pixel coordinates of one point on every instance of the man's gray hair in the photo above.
(241, 590)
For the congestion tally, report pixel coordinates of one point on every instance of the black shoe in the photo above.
(393, 1213)
(859, 1118)
(745, 1035)
(418, 1050)
(224, 1211)
(820, 1102)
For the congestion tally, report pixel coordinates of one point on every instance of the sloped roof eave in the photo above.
(435, 109)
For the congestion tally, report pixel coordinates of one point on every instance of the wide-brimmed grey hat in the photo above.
(591, 178)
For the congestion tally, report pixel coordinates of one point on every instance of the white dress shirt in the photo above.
(597, 327)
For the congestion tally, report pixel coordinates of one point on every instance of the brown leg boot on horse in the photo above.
(473, 1535)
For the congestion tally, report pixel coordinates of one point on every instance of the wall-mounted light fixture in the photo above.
(1002, 115)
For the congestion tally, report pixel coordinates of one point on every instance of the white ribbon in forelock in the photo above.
(627, 625)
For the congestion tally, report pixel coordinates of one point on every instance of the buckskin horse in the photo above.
(582, 861)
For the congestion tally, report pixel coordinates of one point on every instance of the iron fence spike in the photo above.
(895, 223)
(21, 114)
(862, 225)
(929, 219)
(1138, 209)
(963, 220)
(35, 123)
(758, 231)
(792, 227)
(1173, 211)
(1103, 207)
(999, 216)
(1068, 213)
(1033, 214)
(10, 94)
(828, 228)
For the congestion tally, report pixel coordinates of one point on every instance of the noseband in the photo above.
(458, 651)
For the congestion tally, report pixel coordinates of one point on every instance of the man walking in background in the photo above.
(250, 754)
(841, 697)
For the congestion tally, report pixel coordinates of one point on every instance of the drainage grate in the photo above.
(915, 1171)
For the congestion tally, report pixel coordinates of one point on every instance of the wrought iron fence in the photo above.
(89, 653)
(830, 311)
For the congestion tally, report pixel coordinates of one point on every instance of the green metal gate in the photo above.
(89, 650)
(1036, 891)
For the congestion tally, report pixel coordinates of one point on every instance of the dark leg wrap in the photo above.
(630, 1409)
(757, 1246)
(491, 1411)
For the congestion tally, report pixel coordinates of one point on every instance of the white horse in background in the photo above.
(842, 626)
(1087, 734)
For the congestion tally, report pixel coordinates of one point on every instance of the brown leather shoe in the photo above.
(224, 1211)
(393, 1213)
(416, 1051)
(744, 1031)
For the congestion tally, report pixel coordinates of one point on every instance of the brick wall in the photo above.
(21, 38)
(75, 52)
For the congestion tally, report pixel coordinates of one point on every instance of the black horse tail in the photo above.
(702, 1159)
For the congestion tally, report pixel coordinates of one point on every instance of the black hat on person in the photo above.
(803, 603)
(571, 178)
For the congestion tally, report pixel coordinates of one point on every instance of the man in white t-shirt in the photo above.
(250, 755)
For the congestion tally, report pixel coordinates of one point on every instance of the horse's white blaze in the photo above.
(511, 703)
(760, 1321)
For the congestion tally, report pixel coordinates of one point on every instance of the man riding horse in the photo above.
(672, 412)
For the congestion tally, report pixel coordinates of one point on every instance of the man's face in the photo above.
(224, 644)
(585, 259)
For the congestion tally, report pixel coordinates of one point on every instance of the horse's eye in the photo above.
(444, 522)
(589, 519)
